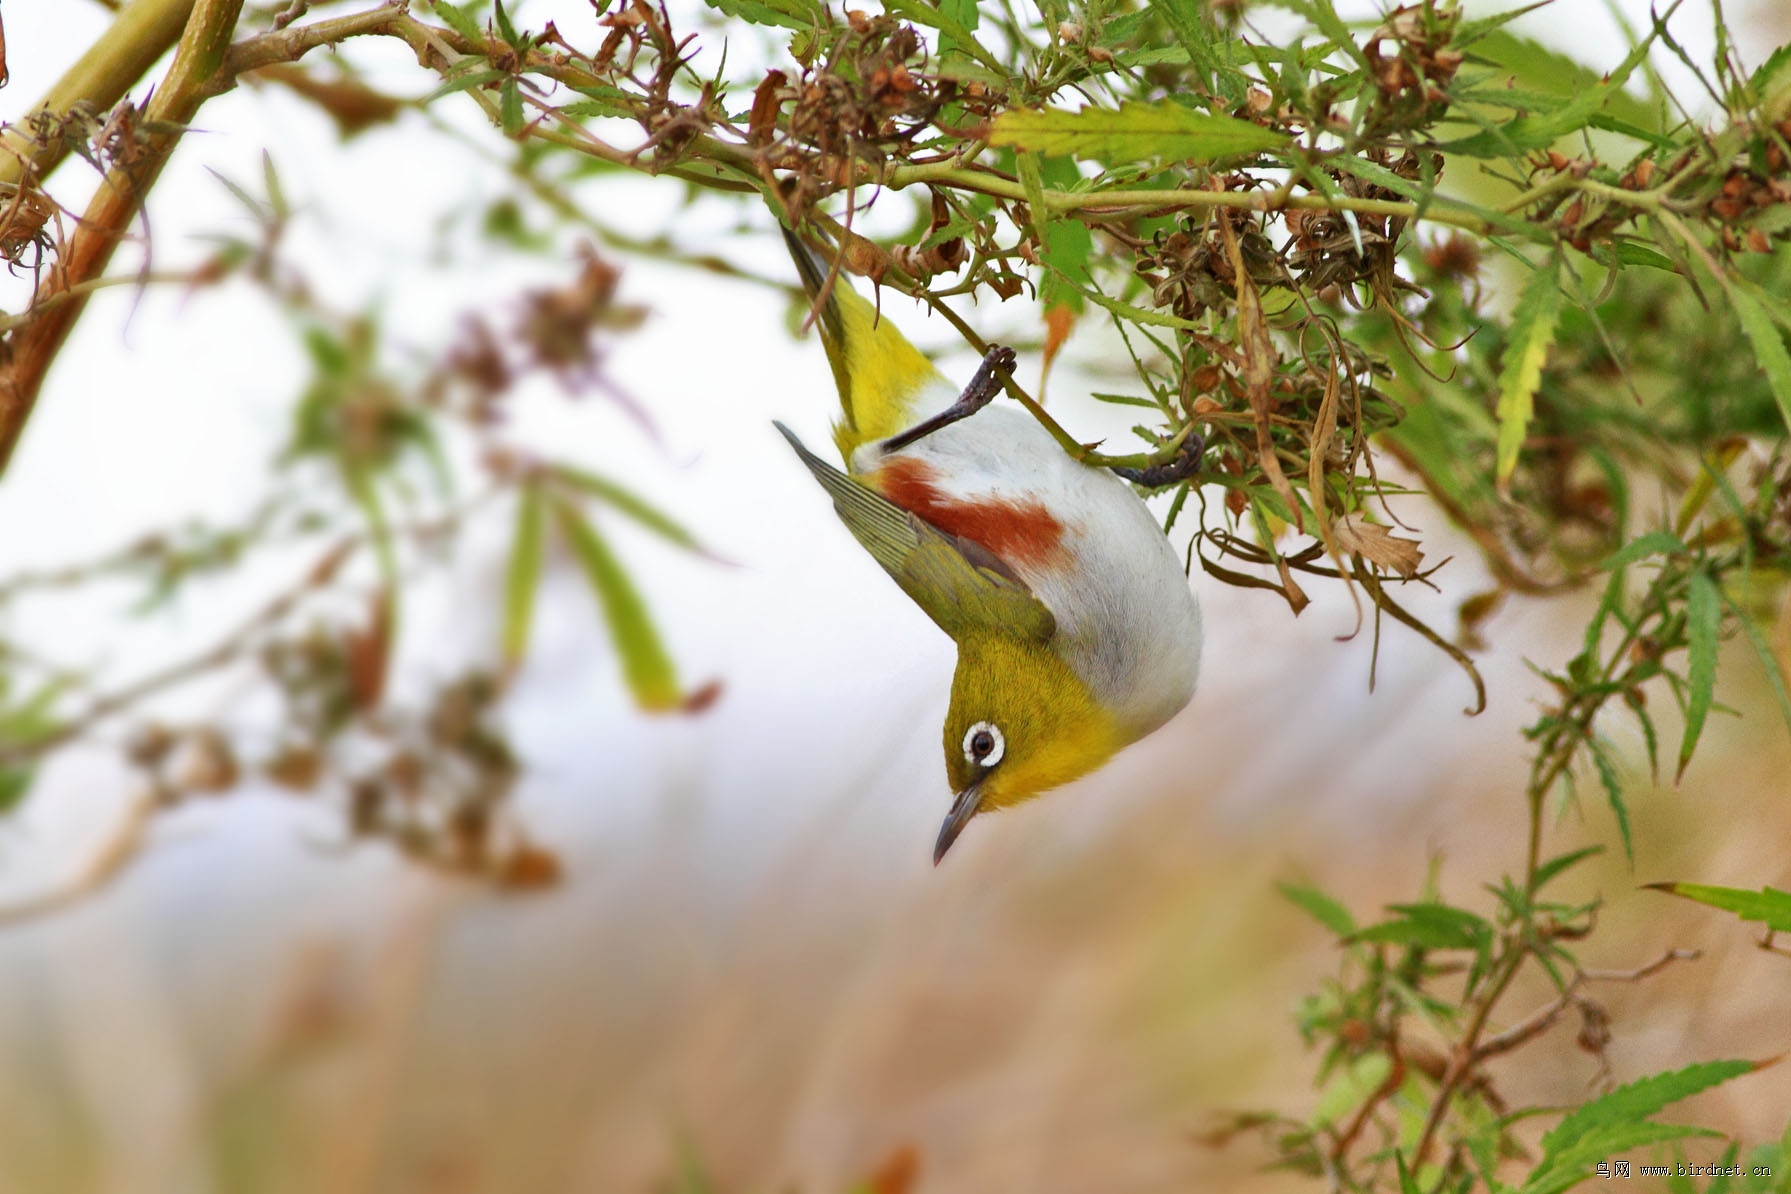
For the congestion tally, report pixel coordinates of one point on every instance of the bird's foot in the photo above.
(1155, 476)
(997, 364)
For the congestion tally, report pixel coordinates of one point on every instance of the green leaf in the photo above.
(1125, 400)
(966, 14)
(625, 502)
(1574, 1165)
(1541, 130)
(523, 577)
(1380, 176)
(1631, 252)
(1769, 346)
(1133, 132)
(1186, 20)
(1613, 792)
(464, 81)
(790, 14)
(1352, 1085)
(1654, 543)
(1769, 661)
(460, 21)
(1428, 926)
(1532, 332)
(646, 667)
(1067, 243)
(1536, 66)
(597, 104)
(1627, 1105)
(1562, 862)
(1769, 905)
(1032, 181)
(1773, 75)
(510, 108)
(505, 29)
(1703, 621)
(15, 783)
(1321, 907)
(276, 194)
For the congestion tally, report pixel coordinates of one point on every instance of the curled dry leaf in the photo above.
(1378, 545)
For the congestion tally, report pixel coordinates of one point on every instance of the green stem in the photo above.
(100, 77)
(32, 348)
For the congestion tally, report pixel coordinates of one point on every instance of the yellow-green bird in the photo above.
(1076, 628)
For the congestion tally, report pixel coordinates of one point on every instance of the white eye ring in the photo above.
(993, 755)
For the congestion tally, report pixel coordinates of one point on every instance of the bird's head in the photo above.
(1021, 722)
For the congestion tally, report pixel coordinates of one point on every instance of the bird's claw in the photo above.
(1184, 466)
(990, 376)
(997, 366)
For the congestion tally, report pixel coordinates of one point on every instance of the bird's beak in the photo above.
(962, 809)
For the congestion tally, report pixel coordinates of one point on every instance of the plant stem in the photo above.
(32, 348)
(100, 77)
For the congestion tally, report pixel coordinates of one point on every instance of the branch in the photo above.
(100, 77)
(218, 654)
(289, 45)
(32, 348)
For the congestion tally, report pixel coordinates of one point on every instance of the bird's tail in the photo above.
(881, 377)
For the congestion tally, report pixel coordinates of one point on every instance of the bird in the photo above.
(1077, 630)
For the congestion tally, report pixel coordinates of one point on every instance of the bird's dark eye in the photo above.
(984, 745)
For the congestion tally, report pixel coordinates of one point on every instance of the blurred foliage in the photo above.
(1556, 300)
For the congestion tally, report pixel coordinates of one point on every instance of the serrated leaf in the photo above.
(1186, 20)
(1321, 907)
(459, 20)
(1575, 1164)
(1769, 660)
(1631, 252)
(1636, 1101)
(790, 14)
(1773, 76)
(626, 502)
(1560, 863)
(1133, 132)
(646, 667)
(15, 784)
(1125, 400)
(1428, 926)
(510, 108)
(966, 14)
(1380, 176)
(1532, 332)
(1541, 130)
(276, 194)
(462, 82)
(1654, 543)
(1613, 793)
(1769, 346)
(597, 106)
(1536, 66)
(1703, 622)
(505, 29)
(1359, 1078)
(522, 579)
(1769, 905)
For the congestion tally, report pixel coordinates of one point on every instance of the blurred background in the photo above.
(749, 967)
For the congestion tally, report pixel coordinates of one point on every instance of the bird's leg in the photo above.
(998, 362)
(1180, 469)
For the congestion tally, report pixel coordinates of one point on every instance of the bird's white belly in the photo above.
(1127, 621)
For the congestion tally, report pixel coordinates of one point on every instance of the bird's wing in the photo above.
(960, 585)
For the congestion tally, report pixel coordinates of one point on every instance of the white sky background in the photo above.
(825, 744)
